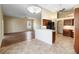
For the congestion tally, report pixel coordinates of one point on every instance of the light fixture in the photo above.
(34, 9)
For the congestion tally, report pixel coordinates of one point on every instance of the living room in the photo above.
(47, 26)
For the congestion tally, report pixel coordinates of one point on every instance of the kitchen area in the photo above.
(68, 29)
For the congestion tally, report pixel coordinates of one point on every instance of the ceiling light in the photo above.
(34, 9)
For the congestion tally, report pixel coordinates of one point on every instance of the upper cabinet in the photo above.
(69, 22)
(45, 22)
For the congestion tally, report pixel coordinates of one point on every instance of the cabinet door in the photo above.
(45, 22)
(67, 32)
(68, 22)
(76, 15)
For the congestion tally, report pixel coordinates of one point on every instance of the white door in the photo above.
(1, 27)
(60, 26)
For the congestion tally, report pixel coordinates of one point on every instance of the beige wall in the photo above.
(76, 6)
(66, 14)
(46, 14)
(37, 24)
(1, 27)
(14, 24)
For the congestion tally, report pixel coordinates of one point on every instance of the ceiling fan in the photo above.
(62, 10)
(65, 9)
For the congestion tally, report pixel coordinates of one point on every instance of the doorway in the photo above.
(30, 24)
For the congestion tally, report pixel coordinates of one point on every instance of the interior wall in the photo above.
(66, 14)
(46, 14)
(14, 24)
(76, 6)
(1, 26)
(37, 24)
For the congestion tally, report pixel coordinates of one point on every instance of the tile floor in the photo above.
(63, 45)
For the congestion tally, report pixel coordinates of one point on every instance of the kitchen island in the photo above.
(45, 35)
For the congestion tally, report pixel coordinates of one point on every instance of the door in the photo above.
(1, 27)
(60, 26)
(76, 15)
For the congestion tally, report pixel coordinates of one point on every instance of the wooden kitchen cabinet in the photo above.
(68, 32)
(69, 22)
(45, 22)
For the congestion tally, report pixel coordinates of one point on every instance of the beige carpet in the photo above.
(63, 45)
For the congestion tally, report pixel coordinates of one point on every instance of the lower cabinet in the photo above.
(68, 32)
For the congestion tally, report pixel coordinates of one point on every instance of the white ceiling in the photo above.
(20, 10)
(56, 7)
